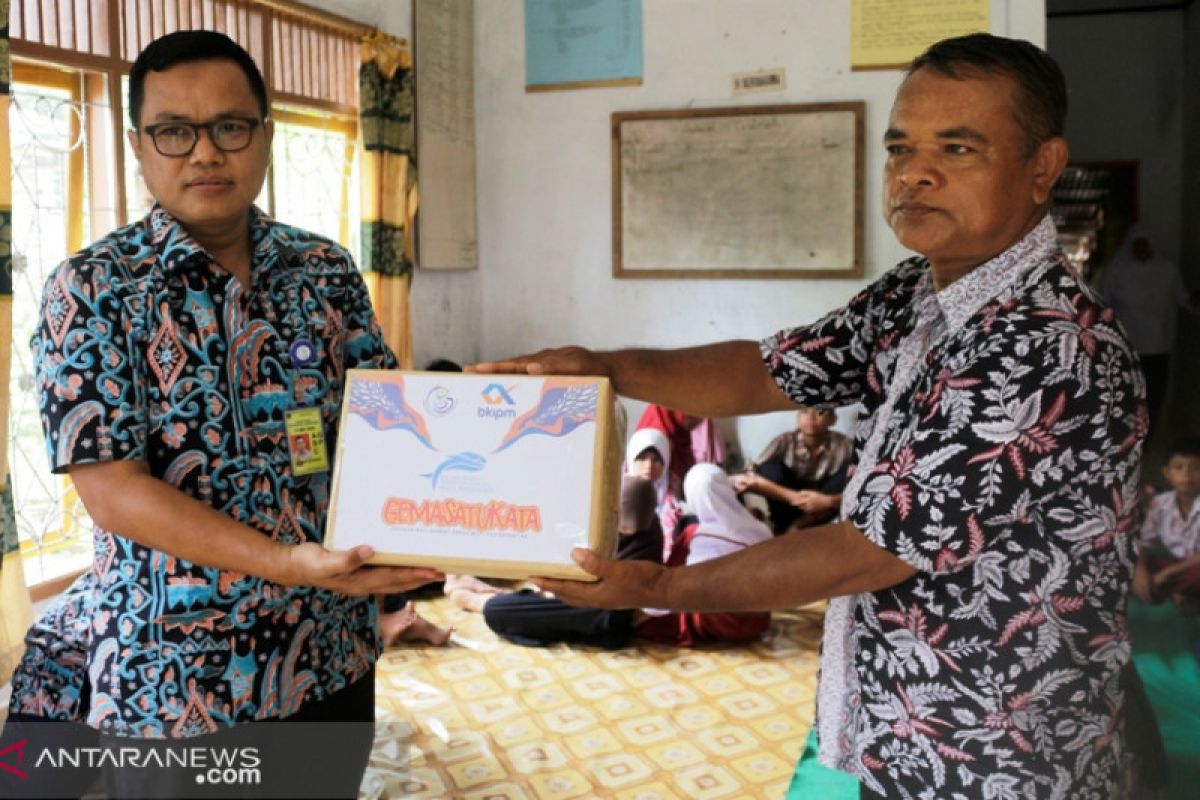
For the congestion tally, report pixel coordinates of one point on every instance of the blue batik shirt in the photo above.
(148, 350)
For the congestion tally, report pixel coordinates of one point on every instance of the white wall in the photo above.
(544, 184)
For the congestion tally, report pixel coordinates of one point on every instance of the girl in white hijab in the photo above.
(654, 466)
(725, 526)
(639, 463)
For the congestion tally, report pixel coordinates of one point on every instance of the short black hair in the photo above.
(182, 47)
(1041, 97)
(1187, 446)
(443, 365)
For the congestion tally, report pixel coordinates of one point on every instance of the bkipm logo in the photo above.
(496, 395)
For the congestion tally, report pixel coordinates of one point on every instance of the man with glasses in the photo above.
(177, 359)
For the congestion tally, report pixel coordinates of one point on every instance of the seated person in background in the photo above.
(725, 526)
(528, 617)
(693, 440)
(801, 473)
(1169, 556)
(648, 456)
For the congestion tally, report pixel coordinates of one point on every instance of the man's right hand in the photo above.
(347, 571)
(716, 380)
(571, 360)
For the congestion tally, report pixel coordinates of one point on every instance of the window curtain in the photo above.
(15, 610)
(389, 184)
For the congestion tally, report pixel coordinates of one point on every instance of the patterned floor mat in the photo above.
(486, 719)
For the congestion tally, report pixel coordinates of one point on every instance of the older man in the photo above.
(981, 564)
(179, 360)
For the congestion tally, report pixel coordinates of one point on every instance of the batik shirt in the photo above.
(148, 350)
(1167, 529)
(1003, 468)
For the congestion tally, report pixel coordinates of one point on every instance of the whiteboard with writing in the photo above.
(767, 191)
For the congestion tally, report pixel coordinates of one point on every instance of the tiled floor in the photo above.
(486, 719)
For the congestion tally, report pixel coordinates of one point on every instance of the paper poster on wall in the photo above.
(888, 34)
(575, 44)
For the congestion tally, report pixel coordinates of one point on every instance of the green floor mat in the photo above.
(1164, 645)
(815, 782)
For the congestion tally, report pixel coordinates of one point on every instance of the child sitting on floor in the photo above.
(648, 456)
(724, 526)
(801, 473)
(1169, 557)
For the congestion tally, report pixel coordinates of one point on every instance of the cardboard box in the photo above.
(494, 475)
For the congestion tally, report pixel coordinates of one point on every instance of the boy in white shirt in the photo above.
(1169, 557)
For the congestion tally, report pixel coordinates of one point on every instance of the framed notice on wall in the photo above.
(747, 192)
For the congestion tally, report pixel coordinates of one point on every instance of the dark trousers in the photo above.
(783, 514)
(319, 752)
(1142, 736)
(527, 618)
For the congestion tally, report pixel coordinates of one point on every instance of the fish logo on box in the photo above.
(495, 396)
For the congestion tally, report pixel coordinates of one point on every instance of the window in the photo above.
(314, 162)
(48, 118)
(75, 178)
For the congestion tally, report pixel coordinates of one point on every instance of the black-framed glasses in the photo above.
(178, 139)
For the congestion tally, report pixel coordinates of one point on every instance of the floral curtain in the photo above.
(15, 611)
(389, 184)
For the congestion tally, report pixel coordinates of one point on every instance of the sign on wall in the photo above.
(573, 45)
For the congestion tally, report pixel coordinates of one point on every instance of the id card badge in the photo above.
(306, 441)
